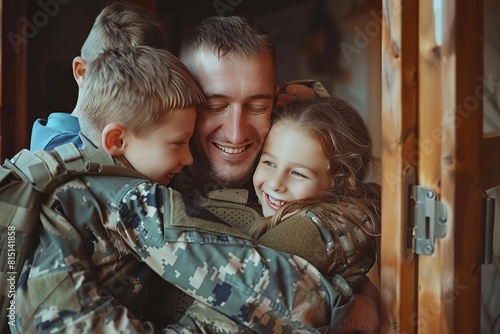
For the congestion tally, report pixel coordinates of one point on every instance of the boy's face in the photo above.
(163, 152)
(233, 123)
(292, 166)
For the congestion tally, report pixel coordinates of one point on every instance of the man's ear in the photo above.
(79, 68)
(112, 138)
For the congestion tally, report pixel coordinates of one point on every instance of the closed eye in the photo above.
(257, 109)
(214, 108)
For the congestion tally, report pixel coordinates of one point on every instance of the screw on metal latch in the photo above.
(430, 194)
(442, 220)
(428, 249)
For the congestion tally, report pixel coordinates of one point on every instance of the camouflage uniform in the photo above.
(320, 235)
(332, 243)
(100, 236)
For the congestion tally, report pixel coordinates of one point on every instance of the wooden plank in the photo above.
(429, 319)
(399, 116)
(449, 279)
(461, 177)
(490, 160)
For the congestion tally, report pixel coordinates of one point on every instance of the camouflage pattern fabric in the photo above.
(319, 234)
(100, 236)
(327, 240)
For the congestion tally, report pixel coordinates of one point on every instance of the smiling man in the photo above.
(237, 73)
(234, 62)
(232, 125)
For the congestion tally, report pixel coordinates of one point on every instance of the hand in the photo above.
(294, 92)
(365, 314)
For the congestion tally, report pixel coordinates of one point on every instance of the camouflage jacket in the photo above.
(100, 236)
(319, 234)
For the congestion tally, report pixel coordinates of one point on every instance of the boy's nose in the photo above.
(187, 158)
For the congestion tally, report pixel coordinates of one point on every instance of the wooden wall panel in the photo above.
(399, 116)
(431, 119)
(460, 176)
(449, 138)
(432, 65)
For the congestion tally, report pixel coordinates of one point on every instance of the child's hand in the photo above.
(294, 92)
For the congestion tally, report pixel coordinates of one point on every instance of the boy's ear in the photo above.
(112, 138)
(79, 68)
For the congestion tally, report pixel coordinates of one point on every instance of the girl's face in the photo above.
(292, 166)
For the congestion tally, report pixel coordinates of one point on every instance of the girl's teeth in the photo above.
(276, 202)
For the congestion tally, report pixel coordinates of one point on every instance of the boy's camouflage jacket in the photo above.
(101, 235)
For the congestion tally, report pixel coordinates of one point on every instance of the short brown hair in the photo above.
(123, 24)
(136, 87)
(227, 35)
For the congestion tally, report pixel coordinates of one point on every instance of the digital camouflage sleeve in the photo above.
(256, 286)
(88, 274)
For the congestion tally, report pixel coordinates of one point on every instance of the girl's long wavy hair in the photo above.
(346, 142)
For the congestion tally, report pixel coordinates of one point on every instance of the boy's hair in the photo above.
(136, 87)
(226, 35)
(123, 24)
(347, 144)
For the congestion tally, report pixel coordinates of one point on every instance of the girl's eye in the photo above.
(299, 174)
(269, 163)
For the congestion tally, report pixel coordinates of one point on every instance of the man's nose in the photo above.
(236, 125)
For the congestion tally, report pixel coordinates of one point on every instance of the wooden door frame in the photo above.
(432, 122)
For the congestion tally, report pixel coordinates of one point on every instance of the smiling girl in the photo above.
(315, 163)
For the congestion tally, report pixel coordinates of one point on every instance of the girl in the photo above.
(315, 162)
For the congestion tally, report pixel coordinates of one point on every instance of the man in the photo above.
(234, 63)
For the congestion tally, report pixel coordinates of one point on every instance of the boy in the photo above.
(87, 274)
(118, 24)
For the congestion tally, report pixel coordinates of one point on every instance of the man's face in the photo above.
(232, 125)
